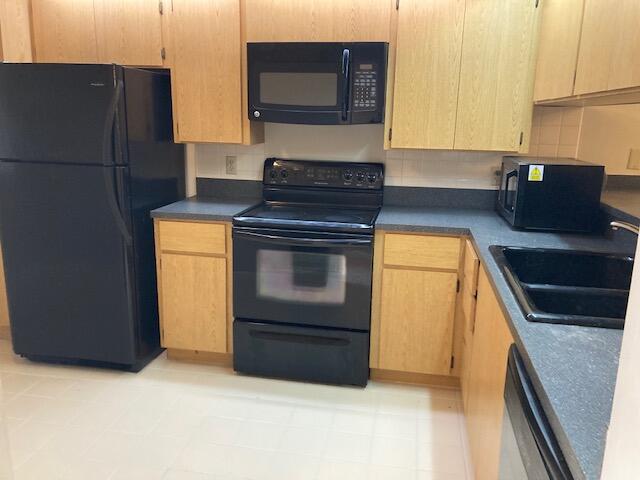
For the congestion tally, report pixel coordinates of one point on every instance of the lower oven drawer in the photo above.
(301, 353)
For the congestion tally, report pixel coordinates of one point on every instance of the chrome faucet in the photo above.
(625, 226)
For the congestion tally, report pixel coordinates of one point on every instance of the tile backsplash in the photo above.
(555, 133)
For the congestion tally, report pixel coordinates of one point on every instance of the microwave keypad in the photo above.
(365, 89)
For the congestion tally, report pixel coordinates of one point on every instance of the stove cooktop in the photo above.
(309, 217)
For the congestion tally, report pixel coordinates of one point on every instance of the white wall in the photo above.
(621, 457)
(422, 168)
(608, 133)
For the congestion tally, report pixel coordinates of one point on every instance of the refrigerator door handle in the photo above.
(110, 126)
(111, 187)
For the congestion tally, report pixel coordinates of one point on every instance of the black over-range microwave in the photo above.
(317, 83)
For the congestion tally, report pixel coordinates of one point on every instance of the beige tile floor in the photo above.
(177, 421)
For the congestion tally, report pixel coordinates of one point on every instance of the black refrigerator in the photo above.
(86, 151)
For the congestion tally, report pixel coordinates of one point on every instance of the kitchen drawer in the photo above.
(470, 268)
(191, 237)
(421, 251)
(310, 354)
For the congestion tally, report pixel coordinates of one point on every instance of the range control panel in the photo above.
(302, 173)
(365, 86)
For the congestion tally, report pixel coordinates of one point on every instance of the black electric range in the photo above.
(302, 264)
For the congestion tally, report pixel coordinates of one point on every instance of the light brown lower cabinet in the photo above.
(414, 302)
(484, 387)
(467, 299)
(194, 285)
(4, 308)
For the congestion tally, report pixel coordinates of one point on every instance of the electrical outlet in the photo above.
(634, 159)
(232, 164)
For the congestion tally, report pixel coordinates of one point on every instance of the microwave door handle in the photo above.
(306, 242)
(346, 62)
(505, 190)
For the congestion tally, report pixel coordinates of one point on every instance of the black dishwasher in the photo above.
(529, 450)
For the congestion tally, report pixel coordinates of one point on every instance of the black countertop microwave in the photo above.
(558, 194)
(317, 83)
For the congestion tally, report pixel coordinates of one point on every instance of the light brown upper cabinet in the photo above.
(428, 48)
(129, 32)
(558, 48)
(15, 31)
(318, 20)
(609, 47)
(464, 73)
(206, 71)
(497, 75)
(64, 31)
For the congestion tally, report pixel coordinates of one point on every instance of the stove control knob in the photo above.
(348, 175)
(284, 173)
(372, 177)
(273, 174)
(360, 176)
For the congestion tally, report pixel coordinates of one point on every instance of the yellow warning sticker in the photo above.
(536, 173)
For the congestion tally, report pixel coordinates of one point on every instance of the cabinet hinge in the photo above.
(390, 133)
(397, 4)
(160, 8)
(521, 137)
(163, 53)
(453, 361)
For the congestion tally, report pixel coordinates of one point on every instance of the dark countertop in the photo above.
(574, 368)
(625, 200)
(205, 208)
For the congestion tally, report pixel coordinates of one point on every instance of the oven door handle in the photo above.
(307, 242)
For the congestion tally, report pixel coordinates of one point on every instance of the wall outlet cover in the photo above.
(634, 159)
(232, 164)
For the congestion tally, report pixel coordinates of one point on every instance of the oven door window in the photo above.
(302, 277)
(303, 89)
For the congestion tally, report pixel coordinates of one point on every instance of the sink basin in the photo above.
(569, 268)
(568, 286)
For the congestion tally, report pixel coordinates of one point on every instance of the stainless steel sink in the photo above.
(568, 286)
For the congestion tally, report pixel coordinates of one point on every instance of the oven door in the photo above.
(302, 278)
(529, 449)
(304, 83)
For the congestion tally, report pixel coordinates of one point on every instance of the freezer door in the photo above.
(68, 257)
(61, 113)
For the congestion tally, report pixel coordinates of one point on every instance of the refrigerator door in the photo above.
(68, 261)
(61, 113)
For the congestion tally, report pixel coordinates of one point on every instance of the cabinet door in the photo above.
(609, 46)
(64, 31)
(15, 31)
(4, 309)
(128, 32)
(558, 48)
(416, 320)
(206, 71)
(324, 20)
(497, 73)
(425, 97)
(194, 302)
(485, 403)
